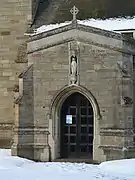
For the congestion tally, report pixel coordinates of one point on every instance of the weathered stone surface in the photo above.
(12, 29)
(46, 87)
(14, 19)
(41, 87)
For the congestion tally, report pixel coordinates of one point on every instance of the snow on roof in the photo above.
(49, 27)
(111, 24)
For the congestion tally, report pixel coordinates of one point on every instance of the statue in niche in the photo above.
(73, 66)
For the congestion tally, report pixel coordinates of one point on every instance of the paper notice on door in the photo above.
(68, 119)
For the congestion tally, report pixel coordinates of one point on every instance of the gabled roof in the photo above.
(80, 33)
(63, 27)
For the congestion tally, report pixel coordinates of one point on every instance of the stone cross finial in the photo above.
(74, 11)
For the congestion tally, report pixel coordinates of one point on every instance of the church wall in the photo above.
(50, 72)
(50, 75)
(100, 72)
(14, 17)
(108, 85)
(24, 120)
(27, 104)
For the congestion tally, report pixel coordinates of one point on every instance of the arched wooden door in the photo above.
(76, 127)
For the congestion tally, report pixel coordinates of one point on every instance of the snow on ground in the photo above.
(108, 24)
(125, 168)
(5, 152)
(15, 168)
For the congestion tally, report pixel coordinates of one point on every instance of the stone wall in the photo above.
(24, 124)
(14, 17)
(100, 72)
(50, 75)
(97, 73)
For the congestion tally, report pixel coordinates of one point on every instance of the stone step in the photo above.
(72, 160)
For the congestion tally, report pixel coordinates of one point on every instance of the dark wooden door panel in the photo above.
(77, 137)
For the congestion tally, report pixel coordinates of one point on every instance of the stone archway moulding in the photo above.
(61, 96)
(54, 117)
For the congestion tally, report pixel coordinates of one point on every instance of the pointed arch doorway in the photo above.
(76, 127)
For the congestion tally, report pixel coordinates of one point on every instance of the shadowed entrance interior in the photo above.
(76, 127)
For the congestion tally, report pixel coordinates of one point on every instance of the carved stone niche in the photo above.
(126, 101)
(22, 54)
(73, 69)
(73, 63)
(125, 68)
